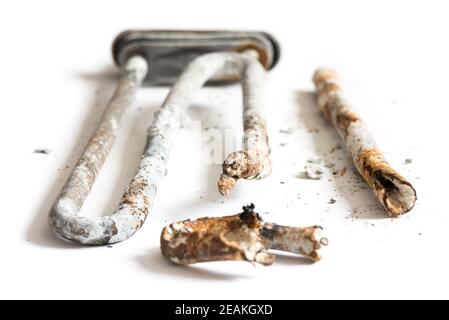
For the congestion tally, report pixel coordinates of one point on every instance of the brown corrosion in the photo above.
(215, 239)
(254, 164)
(243, 236)
(385, 182)
(394, 192)
(344, 120)
(324, 75)
(253, 161)
(225, 184)
(136, 199)
(260, 52)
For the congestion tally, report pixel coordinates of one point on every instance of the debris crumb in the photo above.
(42, 151)
(336, 147)
(313, 171)
(408, 161)
(329, 165)
(287, 131)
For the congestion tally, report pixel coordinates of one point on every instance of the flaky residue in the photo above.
(243, 236)
(254, 164)
(394, 192)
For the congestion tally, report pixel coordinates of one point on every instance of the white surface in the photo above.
(57, 76)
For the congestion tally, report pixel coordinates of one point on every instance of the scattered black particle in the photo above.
(249, 208)
(286, 131)
(282, 182)
(109, 246)
(332, 201)
(41, 151)
(248, 211)
(408, 161)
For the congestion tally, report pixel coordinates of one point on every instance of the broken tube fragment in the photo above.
(253, 162)
(244, 236)
(393, 191)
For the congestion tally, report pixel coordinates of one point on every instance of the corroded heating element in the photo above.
(253, 162)
(243, 236)
(140, 193)
(394, 192)
(134, 204)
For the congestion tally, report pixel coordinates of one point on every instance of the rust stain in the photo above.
(244, 236)
(393, 191)
(255, 164)
(324, 75)
(345, 119)
(261, 53)
(387, 184)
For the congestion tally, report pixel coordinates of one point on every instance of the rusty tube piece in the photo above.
(244, 236)
(394, 192)
(253, 162)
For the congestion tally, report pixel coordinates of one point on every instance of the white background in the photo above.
(56, 76)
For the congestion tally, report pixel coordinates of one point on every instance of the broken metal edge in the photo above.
(168, 52)
(244, 236)
(394, 192)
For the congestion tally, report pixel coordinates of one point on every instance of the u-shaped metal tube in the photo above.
(139, 195)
